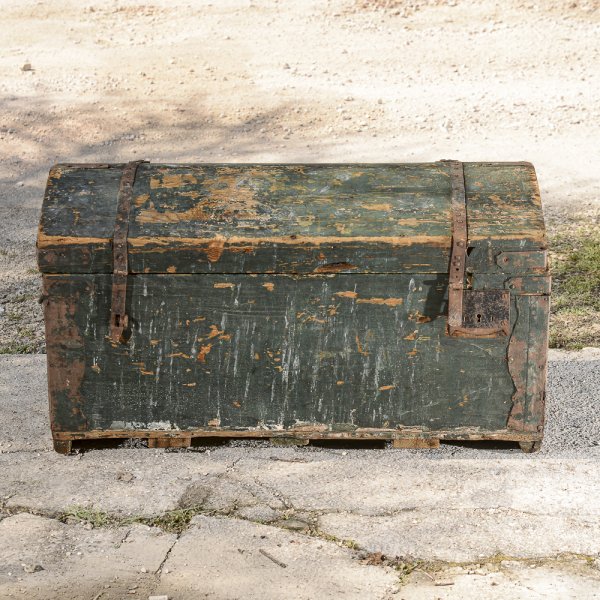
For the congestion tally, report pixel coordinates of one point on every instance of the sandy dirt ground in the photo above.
(249, 80)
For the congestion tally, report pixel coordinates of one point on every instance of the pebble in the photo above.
(158, 597)
(27, 67)
(32, 568)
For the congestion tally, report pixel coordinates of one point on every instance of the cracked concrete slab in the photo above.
(465, 535)
(459, 503)
(511, 581)
(73, 562)
(239, 559)
(48, 484)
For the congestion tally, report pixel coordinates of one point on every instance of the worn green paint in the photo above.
(286, 218)
(275, 350)
(268, 297)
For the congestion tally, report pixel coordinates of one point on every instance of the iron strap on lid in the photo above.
(118, 317)
(471, 313)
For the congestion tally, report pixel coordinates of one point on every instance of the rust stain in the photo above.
(204, 351)
(412, 352)
(172, 269)
(216, 332)
(178, 355)
(346, 294)
(256, 356)
(442, 241)
(172, 181)
(418, 317)
(152, 215)
(141, 199)
(384, 388)
(269, 286)
(215, 250)
(375, 206)
(189, 384)
(223, 285)
(360, 348)
(335, 268)
(411, 336)
(198, 319)
(306, 220)
(385, 301)
(237, 404)
(143, 372)
(47, 241)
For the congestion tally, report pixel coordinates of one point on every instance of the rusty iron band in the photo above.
(458, 255)
(118, 317)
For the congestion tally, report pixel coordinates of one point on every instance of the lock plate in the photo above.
(487, 309)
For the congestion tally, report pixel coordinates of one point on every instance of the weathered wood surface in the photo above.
(291, 218)
(269, 352)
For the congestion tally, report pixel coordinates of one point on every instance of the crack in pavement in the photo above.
(373, 558)
(167, 554)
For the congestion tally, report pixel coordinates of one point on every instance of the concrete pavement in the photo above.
(250, 520)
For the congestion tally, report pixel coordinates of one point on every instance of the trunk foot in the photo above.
(529, 447)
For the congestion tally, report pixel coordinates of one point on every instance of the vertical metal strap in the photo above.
(471, 313)
(458, 256)
(118, 317)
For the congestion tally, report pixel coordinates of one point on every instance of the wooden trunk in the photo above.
(295, 301)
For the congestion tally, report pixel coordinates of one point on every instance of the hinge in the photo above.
(119, 319)
(470, 313)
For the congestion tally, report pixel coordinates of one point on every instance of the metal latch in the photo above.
(471, 313)
(119, 320)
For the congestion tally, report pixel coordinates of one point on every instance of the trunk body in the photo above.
(306, 301)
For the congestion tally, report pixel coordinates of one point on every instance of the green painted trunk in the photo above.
(300, 300)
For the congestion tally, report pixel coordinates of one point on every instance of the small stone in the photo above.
(294, 524)
(27, 67)
(143, 570)
(125, 476)
(286, 66)
(158, 597)
(32, 568)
